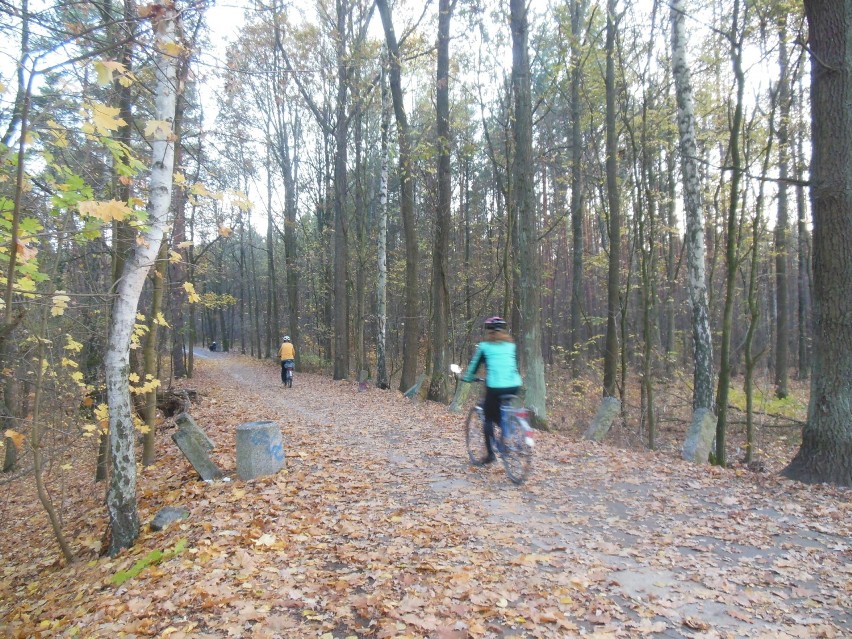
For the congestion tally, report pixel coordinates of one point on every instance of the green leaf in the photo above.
(152, 558)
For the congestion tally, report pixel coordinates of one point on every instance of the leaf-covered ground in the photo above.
(378, 527)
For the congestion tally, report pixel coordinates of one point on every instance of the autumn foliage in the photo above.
(378, 527)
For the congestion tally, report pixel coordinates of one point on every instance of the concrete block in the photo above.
(260, 449)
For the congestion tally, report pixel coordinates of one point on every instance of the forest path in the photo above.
(597, 541)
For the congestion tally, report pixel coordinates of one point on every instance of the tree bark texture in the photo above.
(411, 330)
(121, 496)
(382, 252)
(577, 247)
(702, 393)
(782, 224)
(438, 386)
(826, 451)
(341, 251)
(614, 201)
(731, 241)
(523, 201)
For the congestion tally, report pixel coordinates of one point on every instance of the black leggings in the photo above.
(491, 411)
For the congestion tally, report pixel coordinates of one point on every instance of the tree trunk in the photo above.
(178, 270)
(341, 252)
(381, 250)
(361, 238)
(20, 116)
(614, 201)
(575, 350)
(702, 391)
(150, 355)
(732, 240)
(803, 253)
(438, 387)
(782, 332)
(291, 255)
(411, 329)
(121, 496)
(826, 451)
(272, 331)
(523, 202)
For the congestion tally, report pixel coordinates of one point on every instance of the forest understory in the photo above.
(378, 527)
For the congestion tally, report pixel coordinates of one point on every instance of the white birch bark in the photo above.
(693, 205)
(121, 496)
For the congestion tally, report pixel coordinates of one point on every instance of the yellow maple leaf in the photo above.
(158, 129)
(105, 211)
(174, 257)
(172, 48)
(161, 321)
(185, 244)
(71, 345)
(60, 303)
(225, 231)
(199, 189)
(104, 73)
(190, 291)
(104, 118)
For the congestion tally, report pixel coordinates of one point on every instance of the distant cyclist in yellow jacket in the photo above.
(287, 355)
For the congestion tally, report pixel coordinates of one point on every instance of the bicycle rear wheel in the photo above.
(516, 453)
(477, 450)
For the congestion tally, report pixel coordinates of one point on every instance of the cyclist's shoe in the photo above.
(489, 459)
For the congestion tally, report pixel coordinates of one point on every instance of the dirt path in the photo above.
(658, 547)
(378, 528)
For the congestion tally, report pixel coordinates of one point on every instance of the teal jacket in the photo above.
(501, 363)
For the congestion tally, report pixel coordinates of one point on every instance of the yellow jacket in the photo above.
(287, 351)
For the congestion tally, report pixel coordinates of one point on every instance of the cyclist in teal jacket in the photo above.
(499, 354)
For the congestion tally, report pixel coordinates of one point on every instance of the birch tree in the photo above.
(121, 496)
(702, 391)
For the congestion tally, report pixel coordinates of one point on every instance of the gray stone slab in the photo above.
(185, 422)
(699, 436)
(260, 449)
(197, 455)
(607, 412)
(167, 515)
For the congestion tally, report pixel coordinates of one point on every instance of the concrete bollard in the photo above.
(260, 449)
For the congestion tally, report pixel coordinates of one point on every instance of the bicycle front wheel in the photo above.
(517, 454)
(477, 450)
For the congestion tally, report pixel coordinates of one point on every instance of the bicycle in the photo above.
(289, 366)
(513, 440)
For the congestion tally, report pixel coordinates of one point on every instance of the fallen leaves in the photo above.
(378, 528)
